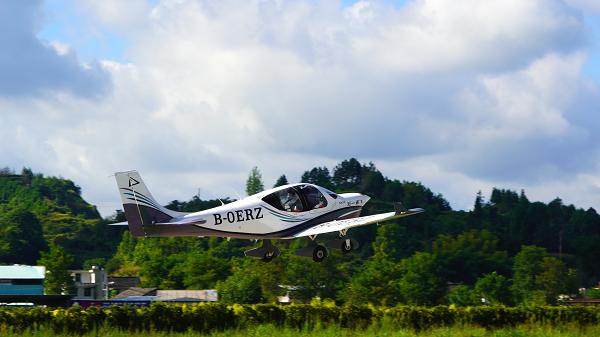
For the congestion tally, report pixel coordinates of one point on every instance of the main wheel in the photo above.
(347, 246)
(268, 257)
(319, 253)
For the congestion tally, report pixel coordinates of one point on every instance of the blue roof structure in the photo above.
(19, 272)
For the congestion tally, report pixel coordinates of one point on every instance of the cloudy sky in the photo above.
(460, 95)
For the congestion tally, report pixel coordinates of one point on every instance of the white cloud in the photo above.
(461, 95)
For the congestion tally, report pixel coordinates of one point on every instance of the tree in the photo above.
(241, 287)
(541, 277)
(470, 254)
(372, 181)
(347, 175)
(527, 265)
(201, 270)
(375, 283)
(21, 236)
(254, 183)
(494, 288)
(318, 176)
(555, 279)
(311, 279)
(281, 181)
(421, 283)
(26, 176)
(478, 207)
(57, 262)
(461, 295)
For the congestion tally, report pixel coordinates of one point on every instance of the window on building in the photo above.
(78, 277)
(87, 292)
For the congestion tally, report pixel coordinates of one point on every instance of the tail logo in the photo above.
(133, 182)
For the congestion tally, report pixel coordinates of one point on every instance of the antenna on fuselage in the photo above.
(236, 193)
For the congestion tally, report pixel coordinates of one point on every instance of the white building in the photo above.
(90, 284)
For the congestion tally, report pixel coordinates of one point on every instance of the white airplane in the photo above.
(285, 212)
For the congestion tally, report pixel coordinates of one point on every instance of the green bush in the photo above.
(211, 317)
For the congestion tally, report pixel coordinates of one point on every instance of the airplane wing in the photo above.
(339, 225)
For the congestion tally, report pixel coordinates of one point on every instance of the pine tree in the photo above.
(478, 207)
(254, 183)
(281, 181)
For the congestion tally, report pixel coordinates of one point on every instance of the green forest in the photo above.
(507, 250)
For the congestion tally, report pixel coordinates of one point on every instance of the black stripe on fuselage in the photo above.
(197, 230)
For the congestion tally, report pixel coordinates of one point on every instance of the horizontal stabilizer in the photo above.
(124, 223)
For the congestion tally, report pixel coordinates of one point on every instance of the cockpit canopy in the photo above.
(300, 198)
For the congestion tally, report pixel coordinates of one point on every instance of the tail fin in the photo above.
(139, 205)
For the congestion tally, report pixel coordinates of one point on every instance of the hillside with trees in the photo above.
(36, 211)
(507, 250)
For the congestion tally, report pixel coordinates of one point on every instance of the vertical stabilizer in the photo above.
(139, 205)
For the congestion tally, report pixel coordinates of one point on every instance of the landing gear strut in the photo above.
(266, 252)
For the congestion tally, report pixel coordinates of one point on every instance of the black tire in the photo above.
(319, 253)
(268, 257)
(347, 246)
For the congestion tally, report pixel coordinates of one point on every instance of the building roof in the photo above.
(208, 295)
(134, 299)
(183, 299)
(136, 292)
(584, 301)
(19, 272)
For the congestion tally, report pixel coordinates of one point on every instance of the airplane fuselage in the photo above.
(267, 214)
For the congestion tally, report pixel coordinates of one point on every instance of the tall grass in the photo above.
(375, 330)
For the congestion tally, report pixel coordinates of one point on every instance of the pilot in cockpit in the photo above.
(291, 201)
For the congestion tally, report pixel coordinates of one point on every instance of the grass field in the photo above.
(331, 331)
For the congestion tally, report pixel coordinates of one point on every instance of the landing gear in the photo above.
(266, 252)
(319, 253)
(346, 245)
(268, 256)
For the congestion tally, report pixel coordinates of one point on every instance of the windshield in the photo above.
(314, 198)
(331, 194)
(286, 200)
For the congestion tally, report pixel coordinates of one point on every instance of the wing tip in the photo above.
(401, 210)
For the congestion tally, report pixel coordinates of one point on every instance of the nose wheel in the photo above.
(347, 246)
